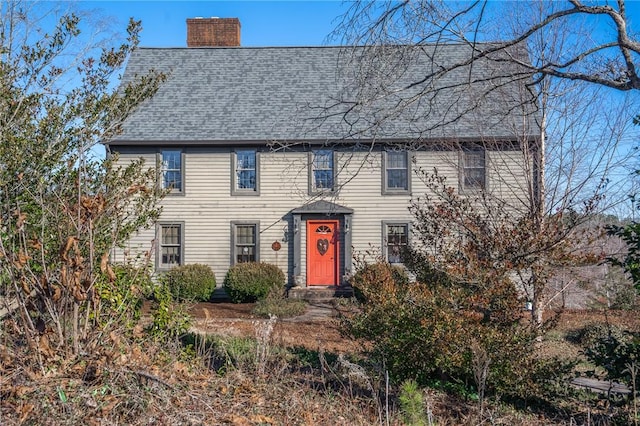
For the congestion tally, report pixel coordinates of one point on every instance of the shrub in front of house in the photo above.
(252, 281)
(442, 328)
(367, 283)
(193, 282)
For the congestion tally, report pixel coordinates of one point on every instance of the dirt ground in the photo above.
(572, 319)
(318, 329)
(561, 324)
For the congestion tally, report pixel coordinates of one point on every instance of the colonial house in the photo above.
(288, 155)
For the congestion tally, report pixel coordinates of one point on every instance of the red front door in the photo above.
(322, 252)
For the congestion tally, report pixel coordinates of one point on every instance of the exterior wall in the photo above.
(207, 206)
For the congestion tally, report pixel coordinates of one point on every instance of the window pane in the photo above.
(246, 159)
(397, 160)
(245, 234)
(171, 160)
(474, 178)
(245, 246)
(246, 254)
(474, 169)
(170, 256)
(170, 245)
(323, 169)
(397, 179)
(246, 169)
(396, 242)
(246, 179)
(397, 234)
(172, 170)
(323, 160)
(397, 170)
(323, 179)
(171, 235)
(474, 159)
(172, 179)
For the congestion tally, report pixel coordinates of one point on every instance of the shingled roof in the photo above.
(256, 95)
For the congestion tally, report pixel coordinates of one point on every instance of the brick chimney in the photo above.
(211, 32)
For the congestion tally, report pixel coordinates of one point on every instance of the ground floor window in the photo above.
(396, 238)
(245, 241)
(171, 244)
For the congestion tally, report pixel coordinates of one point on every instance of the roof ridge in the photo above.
(309, 46)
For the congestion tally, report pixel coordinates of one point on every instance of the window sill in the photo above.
(396, 192)
(163, 269)
(322, 191)
(240, 193)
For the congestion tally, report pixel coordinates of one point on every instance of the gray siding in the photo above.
(207, 207)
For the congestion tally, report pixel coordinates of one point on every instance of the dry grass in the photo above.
(149, 384)
(139, 381)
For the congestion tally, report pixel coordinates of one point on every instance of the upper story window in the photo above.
(322, 170)
(396, 239)
(245, 172)
(396, 172)
(473, 169)
(172, 170)
(171, 245)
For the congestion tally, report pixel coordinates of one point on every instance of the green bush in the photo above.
(251, 281)
(170, 320)
(122, 298)
(130, 284)
(592, 333)
(426, 330)
(619, 355)
(412, 407)
(191, 282)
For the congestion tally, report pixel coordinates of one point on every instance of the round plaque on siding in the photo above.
(276, 246)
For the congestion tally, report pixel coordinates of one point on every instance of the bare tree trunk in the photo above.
(538, 302)
(76, 339)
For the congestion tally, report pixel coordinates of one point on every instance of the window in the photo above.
(322, 170)
(473, 170)
(245, 169)
(396, 172)
(245, 240)
(395, 240)
(172, 170)
(171, 242)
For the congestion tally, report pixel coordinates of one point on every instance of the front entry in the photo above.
(323, 248)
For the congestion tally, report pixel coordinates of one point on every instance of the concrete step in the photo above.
(319, 293)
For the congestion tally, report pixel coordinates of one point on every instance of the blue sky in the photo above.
(264, 23)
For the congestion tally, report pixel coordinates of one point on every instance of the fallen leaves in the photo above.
(256, 419)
